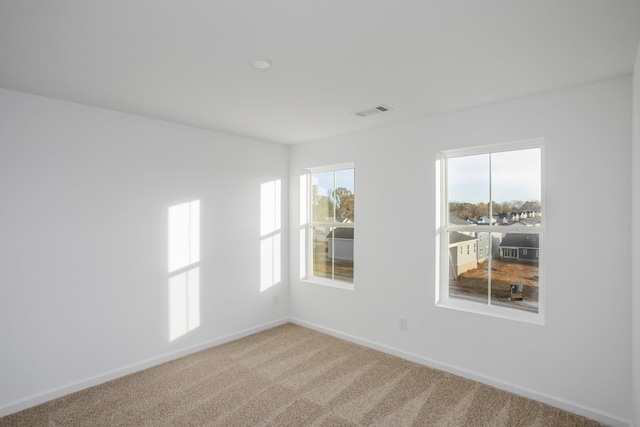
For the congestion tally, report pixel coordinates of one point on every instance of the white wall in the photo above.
(635, 282)
(84, 198)
(581, 358)
(83, 250)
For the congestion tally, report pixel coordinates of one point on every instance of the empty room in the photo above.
(322, 213)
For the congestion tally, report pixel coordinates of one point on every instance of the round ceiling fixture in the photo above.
(261, 63)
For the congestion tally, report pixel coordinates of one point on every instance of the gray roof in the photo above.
(458, 221)
(341, 233)
(520, 240)
(456, 237)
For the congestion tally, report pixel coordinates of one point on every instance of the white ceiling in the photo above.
(187, 61)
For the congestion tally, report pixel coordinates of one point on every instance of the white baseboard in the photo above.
(54, 393)
(601, 417)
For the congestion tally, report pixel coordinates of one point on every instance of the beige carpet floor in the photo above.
(292, 376)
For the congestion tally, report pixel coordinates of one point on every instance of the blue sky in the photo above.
(515, 175)
(324, 180)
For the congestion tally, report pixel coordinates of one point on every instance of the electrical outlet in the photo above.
(402, 324)
(276, 301)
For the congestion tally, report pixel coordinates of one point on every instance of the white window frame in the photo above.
(443, 226)
(308, 276)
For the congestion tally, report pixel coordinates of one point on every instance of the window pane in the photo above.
(333, 253)
(322, 265)
(514, 273)
(340, 252)
(322, 188)
(468, 188)
(344, 195)
(468, 277)
(516, 187)
(343, 270)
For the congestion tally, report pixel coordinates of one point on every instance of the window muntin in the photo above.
(332, 223)
(492, 199)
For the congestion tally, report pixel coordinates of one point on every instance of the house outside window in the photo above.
(331, 226)
(484, 194)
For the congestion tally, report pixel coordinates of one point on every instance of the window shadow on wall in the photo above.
(270, 234)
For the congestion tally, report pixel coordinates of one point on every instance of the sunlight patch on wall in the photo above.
(303, 225)
(184, 269)
(270, 232)
(438, 225)
(303, 253)
(184, 235)
(270, 273)
(184, 302)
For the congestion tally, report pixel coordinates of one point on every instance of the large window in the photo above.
(491, 198)
(331, 201)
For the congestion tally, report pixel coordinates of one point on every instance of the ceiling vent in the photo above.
(371, 111)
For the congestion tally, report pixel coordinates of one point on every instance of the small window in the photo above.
(508, 253)
(331, 227)
(484, 195)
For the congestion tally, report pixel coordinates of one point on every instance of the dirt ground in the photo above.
(473, 283)
(469, 285)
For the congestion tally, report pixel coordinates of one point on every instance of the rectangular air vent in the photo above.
(375, 110)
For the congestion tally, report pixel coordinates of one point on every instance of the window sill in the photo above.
(328, 282)
(493, 311)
